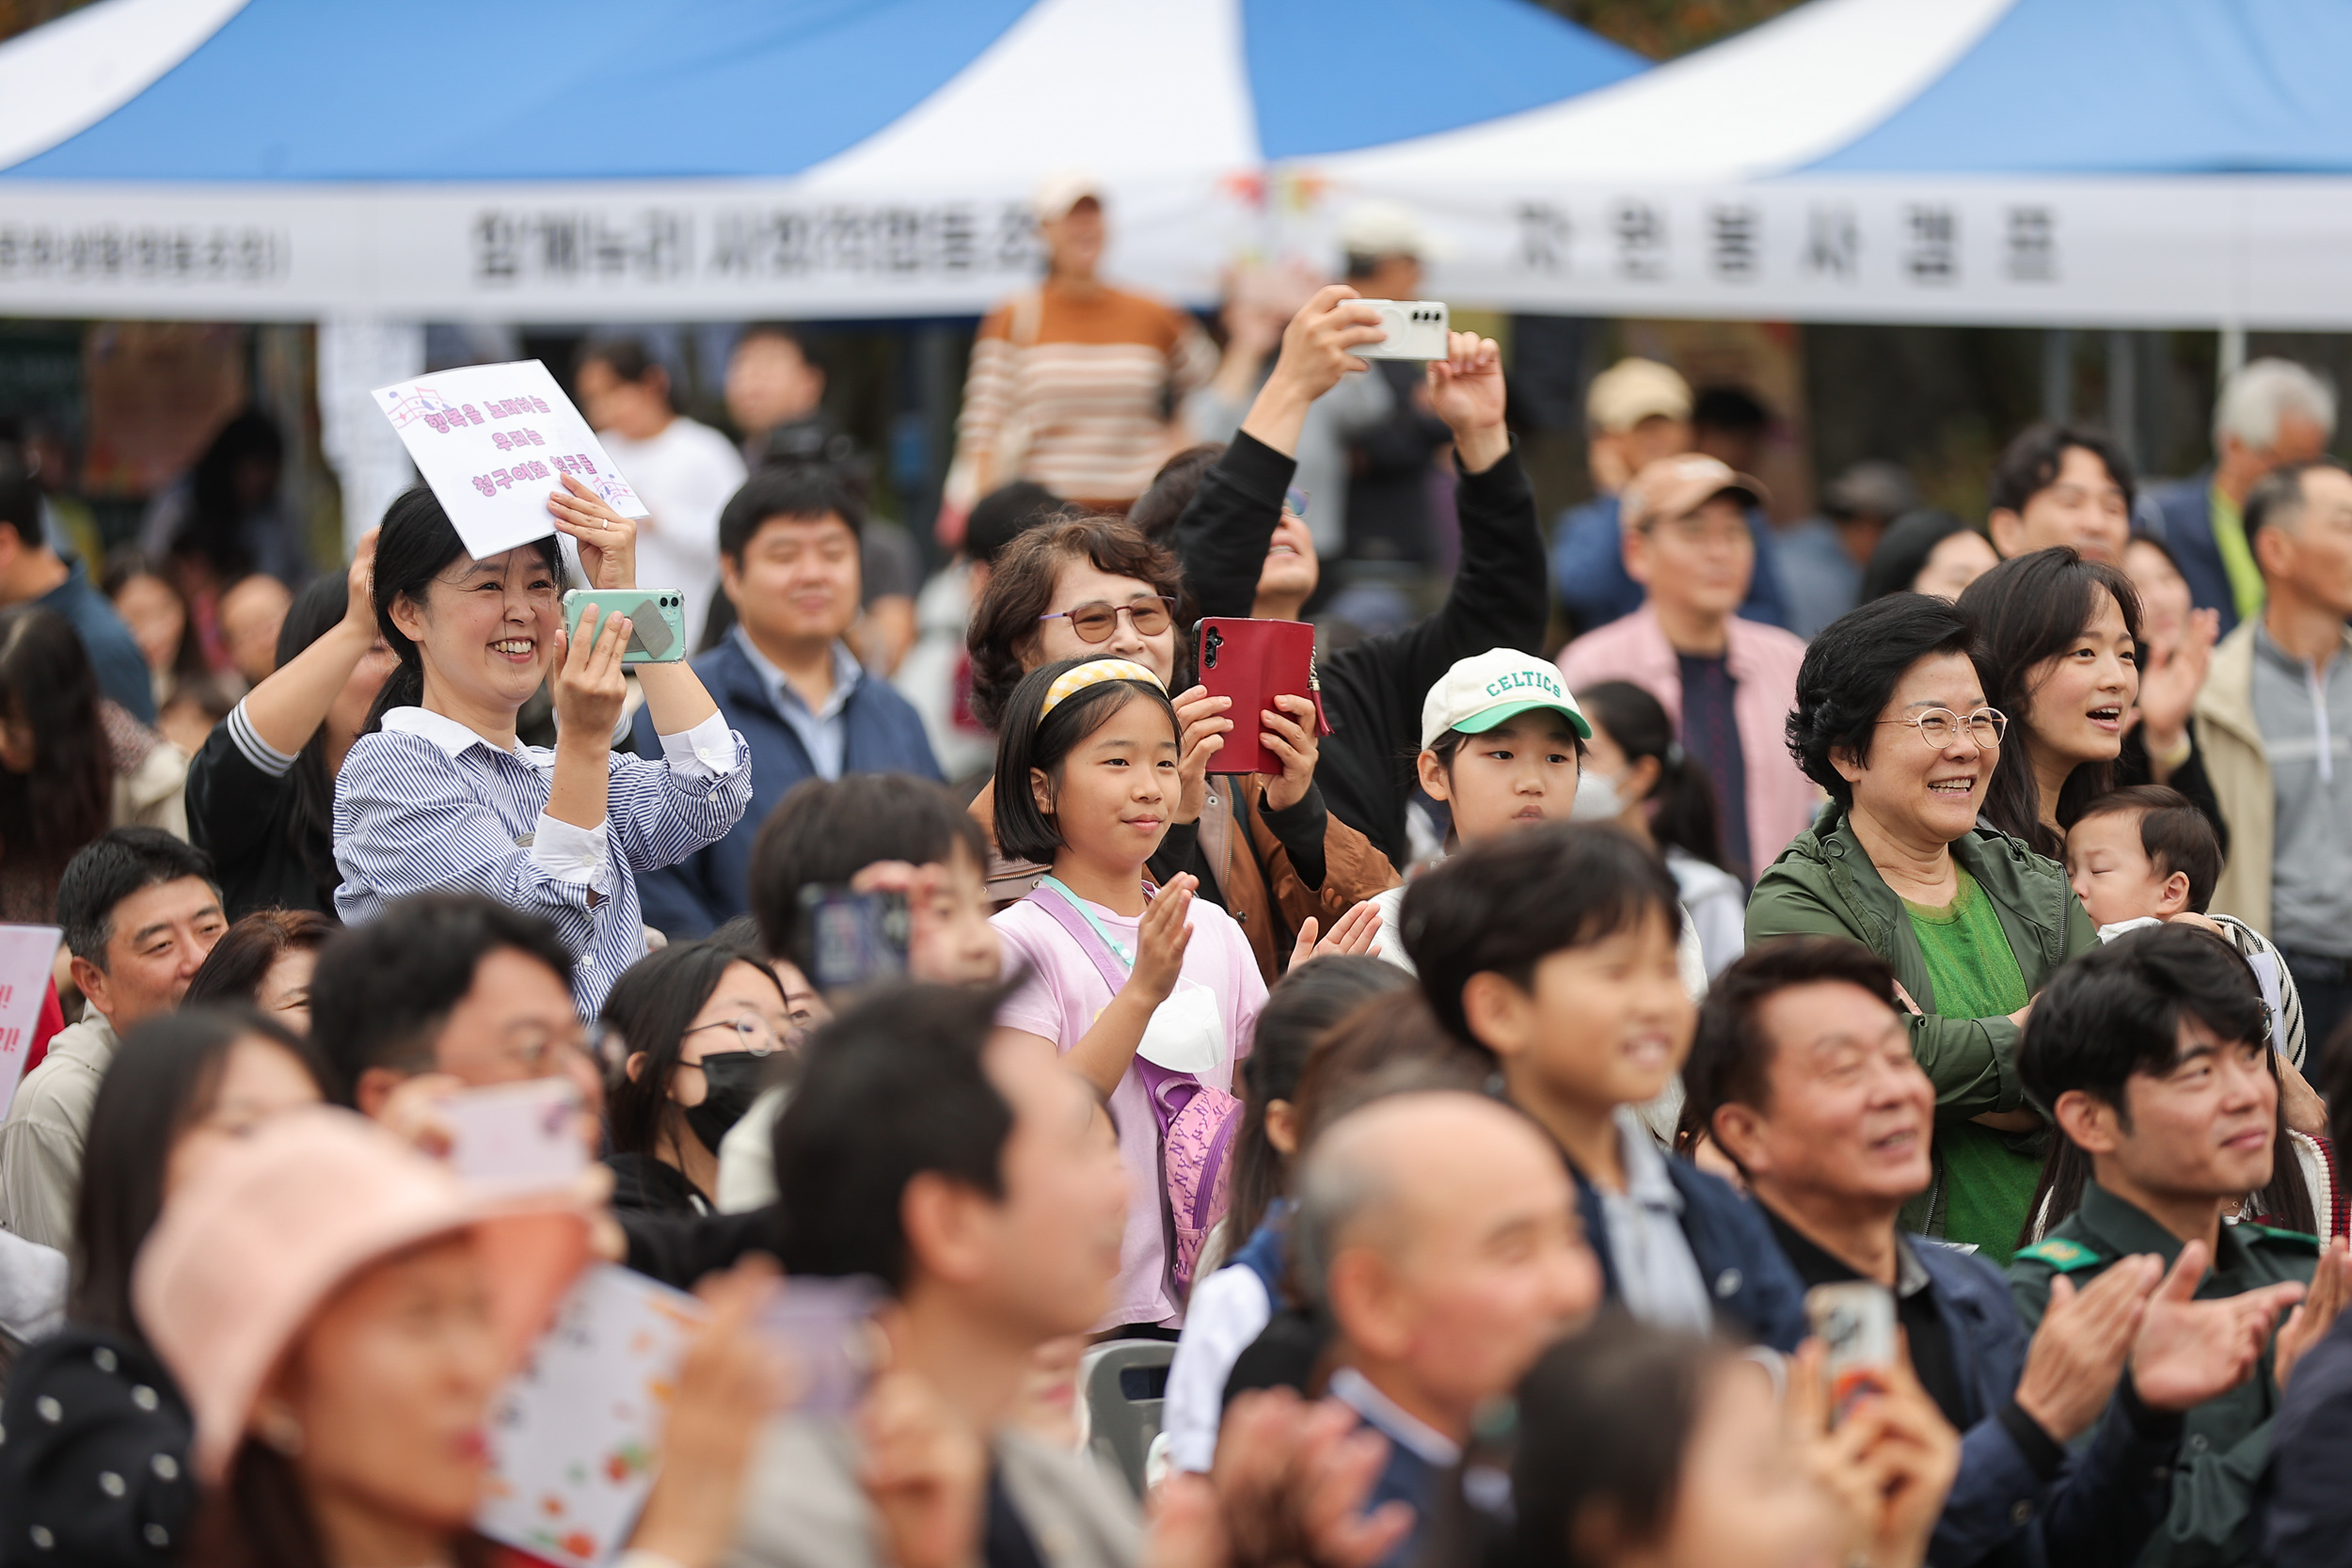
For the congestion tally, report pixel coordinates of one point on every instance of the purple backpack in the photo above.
(1196, 1122)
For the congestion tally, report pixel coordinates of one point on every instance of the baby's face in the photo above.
(2111, 872)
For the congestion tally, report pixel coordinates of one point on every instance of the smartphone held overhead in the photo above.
(1417, 329)
(657, 620)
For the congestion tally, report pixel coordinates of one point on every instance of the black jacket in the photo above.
(94, 1468)
(1372, 692)
(1758, 1298)
(242, 815)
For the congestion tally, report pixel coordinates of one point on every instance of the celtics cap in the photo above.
(1482, 691)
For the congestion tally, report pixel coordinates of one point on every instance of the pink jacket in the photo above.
(1763, 660)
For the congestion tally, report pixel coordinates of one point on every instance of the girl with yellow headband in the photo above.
(1086, 780)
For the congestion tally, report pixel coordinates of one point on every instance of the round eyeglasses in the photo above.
(1094, 623)
(1940, 726)
(754, 1034)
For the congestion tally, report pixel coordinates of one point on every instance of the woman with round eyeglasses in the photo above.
(1264, 846)
(1891, 720)
(704, 1026)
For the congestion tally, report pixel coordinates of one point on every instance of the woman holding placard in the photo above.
(439, 793)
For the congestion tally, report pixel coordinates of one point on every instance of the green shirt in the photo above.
(2225, 1442)
(2237, 556)
(1988, 1187)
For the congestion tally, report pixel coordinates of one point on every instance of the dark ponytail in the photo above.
(415, 545)
(1682, 802)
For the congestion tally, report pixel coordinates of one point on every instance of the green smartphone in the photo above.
(657, 631)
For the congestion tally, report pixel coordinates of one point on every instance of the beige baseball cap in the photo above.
(1633, 391)
(1677, 486)
(1483, 689)
(1064, 189)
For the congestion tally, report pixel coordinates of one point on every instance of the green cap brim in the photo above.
(1486, 718)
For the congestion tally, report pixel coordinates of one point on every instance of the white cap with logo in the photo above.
(1485, 689)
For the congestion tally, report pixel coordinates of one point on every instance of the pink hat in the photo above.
(265, 1231)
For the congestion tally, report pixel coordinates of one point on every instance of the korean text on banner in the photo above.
(492, 441)
(576, 1435)
(26, 954)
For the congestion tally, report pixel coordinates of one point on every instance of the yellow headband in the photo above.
(1093, 672)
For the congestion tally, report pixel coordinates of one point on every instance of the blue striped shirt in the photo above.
(425, 805)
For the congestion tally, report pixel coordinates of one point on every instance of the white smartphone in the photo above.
(512, 1138)
(1417, 329)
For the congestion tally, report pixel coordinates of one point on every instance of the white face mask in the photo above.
(1596, 798)
(1186, 1032)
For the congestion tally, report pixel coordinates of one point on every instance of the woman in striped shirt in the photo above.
(439, 795)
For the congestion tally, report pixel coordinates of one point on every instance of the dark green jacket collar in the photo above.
(2117, 1228)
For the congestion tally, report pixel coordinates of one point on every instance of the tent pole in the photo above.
(2058, 375)
(2231, 358)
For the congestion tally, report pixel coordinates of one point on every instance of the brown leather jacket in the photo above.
(1256, 879)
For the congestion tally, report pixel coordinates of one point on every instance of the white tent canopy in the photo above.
(2121, 162)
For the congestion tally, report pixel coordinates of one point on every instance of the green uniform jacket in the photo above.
(2225, 1442)
(1825, 885)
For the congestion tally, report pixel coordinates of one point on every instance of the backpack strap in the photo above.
(1051, 896)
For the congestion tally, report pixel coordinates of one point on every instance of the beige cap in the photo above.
(1062, 190)
(1633, 391)
(1377, 229)
(1677, 486)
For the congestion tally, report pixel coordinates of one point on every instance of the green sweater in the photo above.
(1825, 885)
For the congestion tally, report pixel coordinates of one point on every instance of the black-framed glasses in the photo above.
(753, 1033)
(1094, 623)
(1940, 726)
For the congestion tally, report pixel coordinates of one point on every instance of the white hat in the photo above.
(1062, 190)
(1483, 689)
(1377, 229)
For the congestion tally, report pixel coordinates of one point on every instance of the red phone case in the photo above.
(1253, 662)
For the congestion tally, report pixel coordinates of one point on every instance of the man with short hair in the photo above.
(1726, 682)
(31, 572)
(784, 680)
(2153, 1057)
(1638, 412)
(453, 984)
(140, 911)
(2274, 721)
(2061, 485)
(1437, 1234)
(979, 1183)
(2270, 413)
(1801, 1073)
(684, 470)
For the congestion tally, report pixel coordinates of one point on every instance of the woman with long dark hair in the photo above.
(439, 795)
(264, 961)
(189, 697)
(73, 764)
(702, 1022)
(190, 1081)
(1634, 765)
(262, 792)
(2058, 640)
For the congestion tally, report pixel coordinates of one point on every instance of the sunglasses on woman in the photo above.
(1094, 623)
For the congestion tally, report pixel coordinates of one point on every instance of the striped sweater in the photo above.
(1086, 395)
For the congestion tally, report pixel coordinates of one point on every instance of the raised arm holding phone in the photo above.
(440, 794)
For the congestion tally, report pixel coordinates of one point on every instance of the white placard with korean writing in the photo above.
(574, 1437)
(493, 441)
(26, 954)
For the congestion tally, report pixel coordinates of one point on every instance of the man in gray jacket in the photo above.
(979, 1182)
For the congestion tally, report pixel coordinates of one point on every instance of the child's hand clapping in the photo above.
(1161, 939)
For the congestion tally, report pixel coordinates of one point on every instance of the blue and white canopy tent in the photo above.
(372, 167)
(2117, 162)
(642, 160)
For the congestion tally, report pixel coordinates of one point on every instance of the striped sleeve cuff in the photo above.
(260, 753)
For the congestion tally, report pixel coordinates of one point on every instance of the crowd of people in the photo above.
(1448, 1126)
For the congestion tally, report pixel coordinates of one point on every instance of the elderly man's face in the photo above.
(1471, 1262)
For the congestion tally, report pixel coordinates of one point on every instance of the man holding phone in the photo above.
(785, 679)
(1801, 1073)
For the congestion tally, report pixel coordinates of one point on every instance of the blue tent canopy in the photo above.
(710, 157)
(2126, 163)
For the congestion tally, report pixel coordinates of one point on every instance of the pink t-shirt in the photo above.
(1064, 993)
